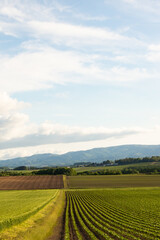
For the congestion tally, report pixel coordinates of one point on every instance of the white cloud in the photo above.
(70, 31)
(141, 7)
(37, 20)
(13, 123)
(13, 126)
(41, 68)
(20, 137)
(154, 47)
(8, 104)
(62, 33)
(89, 18)
(38, 67)
(153, 54)
(92, 55)
(37, 70)
(49, 133)
(16, 130)
(12, 12)
(21, 11)
(145, 5)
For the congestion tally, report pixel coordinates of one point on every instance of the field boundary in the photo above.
(65, 183)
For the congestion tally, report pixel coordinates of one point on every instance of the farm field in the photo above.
(125, 207)
(120, 167)
(17, 206)
(99, 181)
(31, 182)
(113, 214)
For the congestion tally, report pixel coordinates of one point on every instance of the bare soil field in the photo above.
(31, 182)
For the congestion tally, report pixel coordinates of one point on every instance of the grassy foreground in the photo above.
(39, 226)
(17, 206)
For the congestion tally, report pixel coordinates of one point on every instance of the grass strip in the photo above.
(67, 234)
(41, 225)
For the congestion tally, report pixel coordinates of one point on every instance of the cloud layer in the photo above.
(16, 130)
(59, 52)
(47, 45)
(42, 68)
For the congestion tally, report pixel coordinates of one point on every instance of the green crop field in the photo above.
(113, 214)
(125, 207)
(113, 181)
(17, 206)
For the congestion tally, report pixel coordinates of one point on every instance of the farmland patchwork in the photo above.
(93, 212)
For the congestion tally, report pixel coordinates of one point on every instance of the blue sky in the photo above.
(78, 74)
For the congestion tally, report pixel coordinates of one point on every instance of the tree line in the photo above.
(48, 171)
(123, 161)
(136, 170)
(137, 160)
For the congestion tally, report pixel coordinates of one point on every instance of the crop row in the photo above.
(89, 216)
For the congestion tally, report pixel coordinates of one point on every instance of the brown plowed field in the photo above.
(31, 182)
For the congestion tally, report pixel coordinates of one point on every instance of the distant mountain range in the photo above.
(93, 155)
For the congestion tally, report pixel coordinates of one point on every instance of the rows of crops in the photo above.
(17, 206)
(97, 215)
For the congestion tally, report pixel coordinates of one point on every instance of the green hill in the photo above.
(93, 155)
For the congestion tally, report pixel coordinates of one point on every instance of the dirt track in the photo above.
(31, 182)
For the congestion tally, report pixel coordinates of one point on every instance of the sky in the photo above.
(78, 74)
